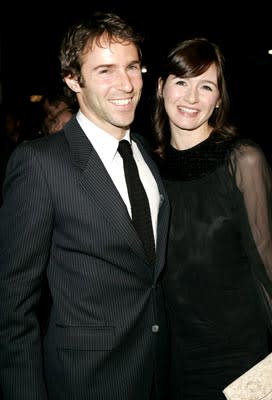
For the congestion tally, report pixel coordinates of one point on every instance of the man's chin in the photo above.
(125, 123)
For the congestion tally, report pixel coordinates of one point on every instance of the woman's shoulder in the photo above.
(248, 163)
(246, 151)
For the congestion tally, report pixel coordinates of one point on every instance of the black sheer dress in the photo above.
(219, 261)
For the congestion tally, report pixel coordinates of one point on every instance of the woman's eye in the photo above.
(206, 87)
(181, 83)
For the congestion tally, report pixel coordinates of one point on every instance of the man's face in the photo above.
(112, 85)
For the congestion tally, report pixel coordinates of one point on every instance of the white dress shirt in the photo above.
(106, 147)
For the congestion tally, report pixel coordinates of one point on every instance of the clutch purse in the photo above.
(254, 384)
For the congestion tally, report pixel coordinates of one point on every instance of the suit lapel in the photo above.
(97, 183)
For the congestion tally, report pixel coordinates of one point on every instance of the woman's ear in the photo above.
(160, 87)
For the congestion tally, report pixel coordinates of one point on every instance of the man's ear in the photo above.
(72, 83)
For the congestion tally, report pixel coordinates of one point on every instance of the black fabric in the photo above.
(140, 209)
(64, 220)
(219, 245)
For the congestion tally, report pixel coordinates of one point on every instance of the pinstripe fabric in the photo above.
(63, 219)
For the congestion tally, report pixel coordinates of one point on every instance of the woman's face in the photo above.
(189, 102)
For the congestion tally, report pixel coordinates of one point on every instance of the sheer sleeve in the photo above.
(253, 178)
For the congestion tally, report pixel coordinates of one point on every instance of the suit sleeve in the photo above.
(25, 236)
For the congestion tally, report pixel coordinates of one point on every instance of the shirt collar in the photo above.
(104, 143)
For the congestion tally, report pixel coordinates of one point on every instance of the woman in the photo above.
(220, 241)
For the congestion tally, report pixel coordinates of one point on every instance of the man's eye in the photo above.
(134, 67)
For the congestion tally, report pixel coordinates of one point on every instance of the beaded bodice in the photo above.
(195, 162)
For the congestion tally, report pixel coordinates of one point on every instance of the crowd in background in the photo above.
(29, 120)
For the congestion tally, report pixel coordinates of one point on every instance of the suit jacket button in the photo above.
(155, 328)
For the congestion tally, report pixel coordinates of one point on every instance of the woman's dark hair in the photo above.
(188, 59)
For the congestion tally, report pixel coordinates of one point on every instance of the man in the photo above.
(66, 219)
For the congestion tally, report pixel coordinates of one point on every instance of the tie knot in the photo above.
(124, 148)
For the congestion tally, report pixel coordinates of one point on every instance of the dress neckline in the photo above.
(195, 162)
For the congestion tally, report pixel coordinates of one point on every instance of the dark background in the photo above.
(31, 35)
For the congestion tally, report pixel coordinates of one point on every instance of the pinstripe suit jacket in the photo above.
(63, 219)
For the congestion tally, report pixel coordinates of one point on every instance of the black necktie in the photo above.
(140, 209)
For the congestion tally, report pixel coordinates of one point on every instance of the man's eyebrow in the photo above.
(112, 65)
